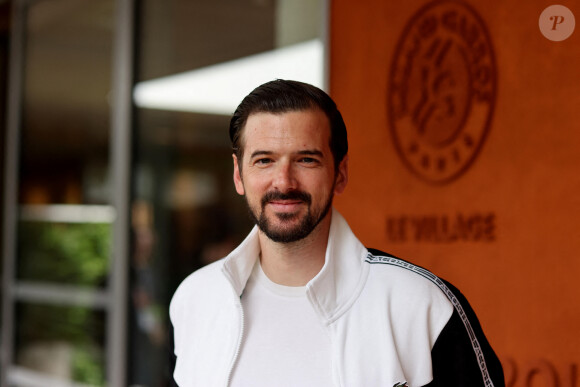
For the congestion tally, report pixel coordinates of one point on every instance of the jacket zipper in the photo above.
(240, 340)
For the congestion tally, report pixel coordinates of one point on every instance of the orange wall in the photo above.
(505, 231)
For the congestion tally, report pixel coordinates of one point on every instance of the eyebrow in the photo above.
(311, 152)
(306, 152)
(260, 153)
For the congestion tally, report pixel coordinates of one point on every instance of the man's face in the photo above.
(287, 172)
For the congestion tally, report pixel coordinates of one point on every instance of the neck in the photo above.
(296, 263)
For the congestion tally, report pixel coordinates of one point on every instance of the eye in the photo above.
(262, 161)
(309, 161)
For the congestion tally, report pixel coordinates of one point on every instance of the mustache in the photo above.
(291, 195)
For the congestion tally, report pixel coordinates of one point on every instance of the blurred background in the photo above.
(116, 171)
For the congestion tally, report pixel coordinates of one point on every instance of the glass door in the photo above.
(65, 210)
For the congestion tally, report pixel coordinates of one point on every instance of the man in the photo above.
(301, 302)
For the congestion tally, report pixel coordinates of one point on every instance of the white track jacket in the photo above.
(391, 323)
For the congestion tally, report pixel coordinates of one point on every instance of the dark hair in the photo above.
(281, 96)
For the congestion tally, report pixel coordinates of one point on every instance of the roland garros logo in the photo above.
(442, 90)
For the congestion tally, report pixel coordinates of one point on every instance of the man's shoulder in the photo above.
(386, 260)
(201, 282)
(203, 275)
(406, 275)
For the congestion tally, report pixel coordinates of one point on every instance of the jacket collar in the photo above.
(333, 289)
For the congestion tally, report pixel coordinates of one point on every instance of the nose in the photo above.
(284, 179)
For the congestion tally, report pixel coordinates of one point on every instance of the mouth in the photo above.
(289, 202)
(285, 205)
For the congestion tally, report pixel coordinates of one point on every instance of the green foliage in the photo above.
(74, 324)
(88, 366)
(71, 254)
(82, 328)
(64, 253)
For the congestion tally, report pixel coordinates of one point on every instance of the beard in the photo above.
(287, 232)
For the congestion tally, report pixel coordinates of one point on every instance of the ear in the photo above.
(341, 176)
(238, 177)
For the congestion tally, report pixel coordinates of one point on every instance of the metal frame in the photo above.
(121, 108)
(16, 59)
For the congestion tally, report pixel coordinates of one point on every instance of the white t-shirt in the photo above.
(284, 342)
